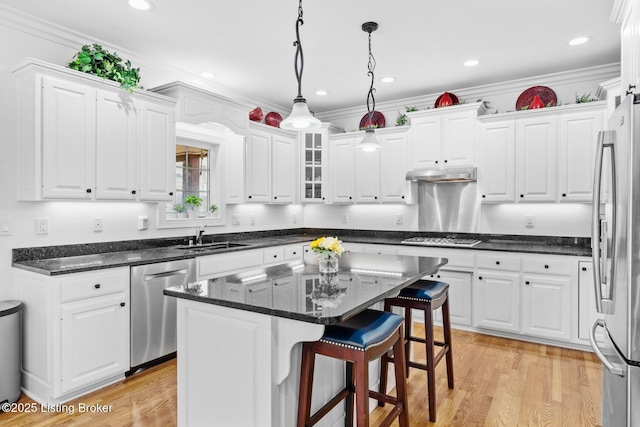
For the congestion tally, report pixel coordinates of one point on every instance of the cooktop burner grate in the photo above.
(441, 241)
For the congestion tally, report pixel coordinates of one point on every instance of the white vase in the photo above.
(192, 213)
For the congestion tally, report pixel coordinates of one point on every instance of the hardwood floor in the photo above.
(498, 382)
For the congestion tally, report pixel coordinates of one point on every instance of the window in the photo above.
(198, 172)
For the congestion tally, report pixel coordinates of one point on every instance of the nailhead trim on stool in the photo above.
(358, 340)
(426, 295)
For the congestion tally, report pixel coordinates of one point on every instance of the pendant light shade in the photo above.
(370, 142)
(300, 117)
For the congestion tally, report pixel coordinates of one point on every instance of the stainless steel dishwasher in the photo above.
(153, 315)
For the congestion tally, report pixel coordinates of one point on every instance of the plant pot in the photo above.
(182, 214)
(192, 213)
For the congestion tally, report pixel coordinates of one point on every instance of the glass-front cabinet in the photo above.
(314, 168)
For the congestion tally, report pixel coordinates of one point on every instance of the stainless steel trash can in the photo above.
(10, 351)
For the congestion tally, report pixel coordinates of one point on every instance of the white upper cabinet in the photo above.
(536, 159)
(270, 165)
(444, 136)
(83, 137)
(370, 177)
(627, 14)
(544, 155)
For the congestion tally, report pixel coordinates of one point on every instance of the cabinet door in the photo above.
(496, 301)
(577, 150)
(68, 139)
(116, 147)
(283, 152)
(258, 167)
(94, 340)
(157, 152)
(234, 169)
(341, 170)
(547, 308)
(459, 296)
(426, 137)
(536, 153)
(498, 159)
(458, 147)
(314, 166)
(629, 17)
(367, 176)
(394, 164)
(587, 312)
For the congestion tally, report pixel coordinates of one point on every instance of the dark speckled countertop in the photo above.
(65, 259)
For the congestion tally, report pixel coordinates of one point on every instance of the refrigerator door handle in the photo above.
(614, 368)
(600, 225)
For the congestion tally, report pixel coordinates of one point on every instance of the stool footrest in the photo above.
(313, 420)
(391, 417)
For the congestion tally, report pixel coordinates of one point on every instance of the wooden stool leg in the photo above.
(407, 333)
(401, 382)
(306, 384)
(384, 363)
(446, 324)
(431, 378)
(362, 391)
(348, 422)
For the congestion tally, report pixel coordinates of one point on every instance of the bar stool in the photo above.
(426, 295)
(358, 340)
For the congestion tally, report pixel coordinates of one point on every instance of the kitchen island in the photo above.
(239, 336)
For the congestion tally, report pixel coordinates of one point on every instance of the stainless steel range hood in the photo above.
(459, 174)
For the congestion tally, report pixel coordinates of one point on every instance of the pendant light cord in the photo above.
(371, 101)
(298, 61)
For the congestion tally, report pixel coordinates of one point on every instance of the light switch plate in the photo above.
(97, 224)
(6, 227)
(235, 219)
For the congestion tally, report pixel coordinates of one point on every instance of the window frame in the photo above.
(212, 137)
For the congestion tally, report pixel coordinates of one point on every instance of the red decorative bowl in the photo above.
(255, 115)
(273, 119)
(377, 120)
(547, 95)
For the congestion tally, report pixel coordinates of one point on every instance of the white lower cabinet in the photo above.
(547, 308)
(75, 332)
(459, 296)
(496, 300)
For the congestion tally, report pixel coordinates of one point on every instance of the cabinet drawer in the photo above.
(218, 265)
(499, 262)
(273, 255)
(88, 285)
(293, 252)
(546, 266)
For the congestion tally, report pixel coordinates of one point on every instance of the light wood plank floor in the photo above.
(498, 382)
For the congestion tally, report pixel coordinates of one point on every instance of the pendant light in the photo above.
(370, 142)
(300, 118)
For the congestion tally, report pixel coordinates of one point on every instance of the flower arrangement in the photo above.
(325, 247)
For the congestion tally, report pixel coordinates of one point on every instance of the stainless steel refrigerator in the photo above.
(616, 262)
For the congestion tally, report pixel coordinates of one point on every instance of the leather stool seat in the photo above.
(363, 330)
(425, 289)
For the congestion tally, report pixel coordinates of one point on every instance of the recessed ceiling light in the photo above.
(388, 79)
(141, 4)
(207, 75)
(471, 63)
(322, 92)
(579, 40)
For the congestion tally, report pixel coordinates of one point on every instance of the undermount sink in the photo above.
(213, 246)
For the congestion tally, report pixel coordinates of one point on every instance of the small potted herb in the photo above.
(192, 202)
(212, 209)
(180, 210)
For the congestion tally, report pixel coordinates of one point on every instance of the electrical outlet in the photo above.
(235, 219)
(529, 221)
(42, 225)
(6, 227)
(143, 222)
(252, 219)
(294, 219)
(345, 218)
(399, 219)
(97, 224)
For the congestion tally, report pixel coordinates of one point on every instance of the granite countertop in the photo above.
(65, 259)
(298, 291)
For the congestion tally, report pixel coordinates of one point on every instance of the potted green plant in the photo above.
(192, 202)
(212, 209)
(180, 210)
(96, 60)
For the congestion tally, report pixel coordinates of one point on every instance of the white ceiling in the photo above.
(249, 44)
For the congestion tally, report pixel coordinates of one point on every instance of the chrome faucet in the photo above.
(199, 234)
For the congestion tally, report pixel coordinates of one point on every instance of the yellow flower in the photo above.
(326, 245)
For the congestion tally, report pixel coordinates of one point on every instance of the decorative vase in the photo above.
(446, 100)
(192, 213)
(328, 264)
(536, 103)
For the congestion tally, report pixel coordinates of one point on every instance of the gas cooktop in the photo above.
(441, 241)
